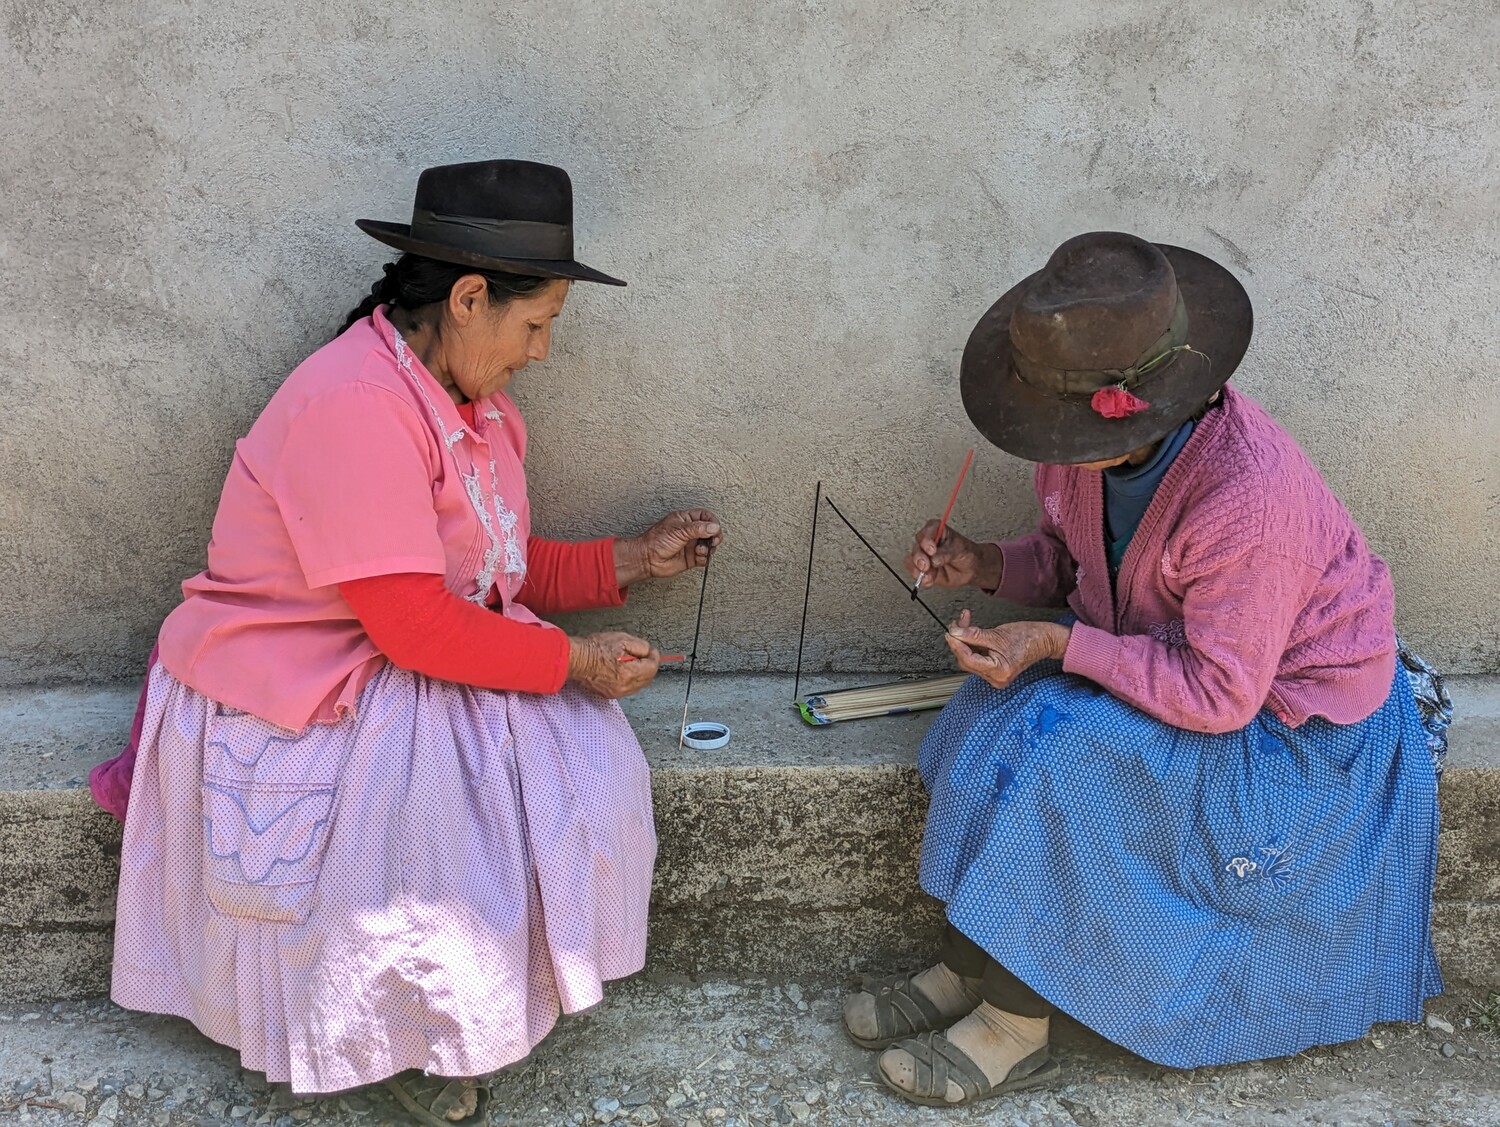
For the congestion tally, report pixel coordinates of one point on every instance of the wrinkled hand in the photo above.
(594, 663)
(674, 544)
(956, 562)
(1003, 653)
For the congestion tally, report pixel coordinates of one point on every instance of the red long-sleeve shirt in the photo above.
(420, 625)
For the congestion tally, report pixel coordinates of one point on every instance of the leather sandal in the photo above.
(938, 1060)
(901, 1011)
(428, 1099)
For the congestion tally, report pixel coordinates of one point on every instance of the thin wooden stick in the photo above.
(812, 545)
(942, 529)
(693, 657)
(896, 574)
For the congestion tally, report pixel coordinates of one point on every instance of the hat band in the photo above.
(1160, 354)
(495, 238)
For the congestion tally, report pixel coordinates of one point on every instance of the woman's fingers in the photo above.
(983, 652)
(985, 641)
(953, 543)
(694, 523)
(635, 647)
(975, 658)
(949, 562)
(636, 675)
(955, 553)
(919, 559)
(704, 529)
(614, 664)
(706, 536)
(927, 540)
(963, 655)
(683, 539)
(981, 663)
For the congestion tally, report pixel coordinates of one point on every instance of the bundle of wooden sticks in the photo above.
(892, 699)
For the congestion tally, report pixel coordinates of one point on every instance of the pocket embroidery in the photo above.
(263, 848)
(1241, 866)
(1274, 865)
(267, 807)
(277, 838)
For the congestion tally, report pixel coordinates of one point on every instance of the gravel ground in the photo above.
(720, 1054)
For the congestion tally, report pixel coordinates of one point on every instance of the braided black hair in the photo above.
(414, 282)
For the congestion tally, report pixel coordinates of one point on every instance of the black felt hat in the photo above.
(1109, 347)
(510, 215)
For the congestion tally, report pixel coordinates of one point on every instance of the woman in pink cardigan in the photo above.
(1199, 813)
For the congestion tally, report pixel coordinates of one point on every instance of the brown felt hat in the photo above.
(1165, 326)
(510, 215)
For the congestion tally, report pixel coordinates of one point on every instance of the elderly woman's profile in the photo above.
(1198, 812)
(383, 822)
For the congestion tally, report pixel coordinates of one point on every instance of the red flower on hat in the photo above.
(1117, 402)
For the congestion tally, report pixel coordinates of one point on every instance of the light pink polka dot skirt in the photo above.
(424, 885)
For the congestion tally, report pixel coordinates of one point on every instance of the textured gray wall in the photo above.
(812, 203)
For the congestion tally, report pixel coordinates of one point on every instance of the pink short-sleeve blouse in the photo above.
(360, 465)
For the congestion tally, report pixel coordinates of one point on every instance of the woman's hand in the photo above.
(594, 663)
(674, 544)
(1003, 653)
(956, 562)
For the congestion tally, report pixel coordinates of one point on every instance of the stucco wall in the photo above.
(812, 204)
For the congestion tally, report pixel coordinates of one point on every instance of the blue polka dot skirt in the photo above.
(1198, 899)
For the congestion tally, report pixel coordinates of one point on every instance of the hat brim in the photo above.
(398, 235)
(1041, 427)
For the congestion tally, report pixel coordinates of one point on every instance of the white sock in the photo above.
(952, 995)
(992, 1038)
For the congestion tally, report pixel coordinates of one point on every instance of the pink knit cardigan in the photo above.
(1246, 586)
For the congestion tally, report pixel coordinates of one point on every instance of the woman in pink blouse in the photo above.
(382, 821)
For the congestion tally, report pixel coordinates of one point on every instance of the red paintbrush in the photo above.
(943, 524)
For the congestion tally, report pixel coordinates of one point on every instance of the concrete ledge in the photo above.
(791, 852)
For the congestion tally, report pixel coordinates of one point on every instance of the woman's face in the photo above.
(486, 343)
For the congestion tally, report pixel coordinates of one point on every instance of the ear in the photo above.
(467, 297)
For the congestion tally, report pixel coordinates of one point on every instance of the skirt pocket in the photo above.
(263, 847)
(1269, 806)
(269, 798)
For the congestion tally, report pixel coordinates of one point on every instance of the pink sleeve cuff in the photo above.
(1019, 579)
(1092, 653)
(365, 569)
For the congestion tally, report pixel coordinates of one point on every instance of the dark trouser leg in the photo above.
(997, 986)
(961, 954)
